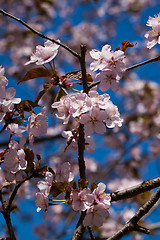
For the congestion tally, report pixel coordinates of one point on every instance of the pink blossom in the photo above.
(112, 116)
(44, 54)
(15, 160)
(80, 104)
(37, 125)
(101, 197)
(99, 101)
(14, 129)
(3, 111)
(7, 97)
(108, 79)
(108, 60)
(153, 35)
(63, 173)
(82, 200)
(45, 186)
(41, 201)
(3, 79)
(18, 176)
(95, 215)
(93, 121)
(63, 107)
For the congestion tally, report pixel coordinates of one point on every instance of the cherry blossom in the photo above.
(63, 173)
(37, 125)
(108, 60)
(15, 160)
(3, 79)
(82, 200)
(101, 197)
(108, 79)
(3, 110)
(18, 176)
(41, 201)
(42, 196)
(14, 129)
(93, 121)
(63, 107)
(7, 97)
(95, 215)
(45, 186)
(44, 54)
(153, 36)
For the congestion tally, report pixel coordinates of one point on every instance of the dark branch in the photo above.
(143, 63)
(39, 33)
(132, 224)
(135, 190)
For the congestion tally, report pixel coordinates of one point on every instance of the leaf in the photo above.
(26, 105)
(77, 75)
(35, 73)
(58, 188)
(126, 44)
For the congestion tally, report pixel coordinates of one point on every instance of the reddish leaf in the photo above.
(35, 73)
(126, 44)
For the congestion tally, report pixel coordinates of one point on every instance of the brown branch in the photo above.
(80, 229)
(6, 214)
(11, 199)
(132, 225)
(135, 190)
(143, 63)
(40, 34)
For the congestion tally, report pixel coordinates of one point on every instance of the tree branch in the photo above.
(132, 224)
(143, 63)
(40, 34)
(80, 229)
(135, 190)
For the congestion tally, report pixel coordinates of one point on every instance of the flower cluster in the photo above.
(96, 204)
(153, 36)
(93, 110)
(111, 64)
(62, 174)
(6, 96)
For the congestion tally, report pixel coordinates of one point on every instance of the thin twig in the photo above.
(11, 199)
(90, 233)
(143, 63)
(40, 34)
